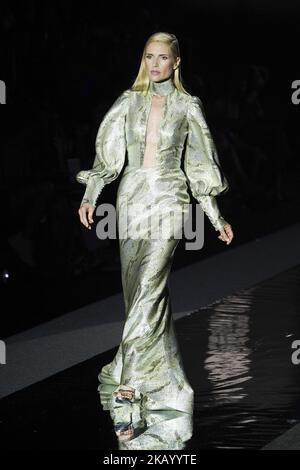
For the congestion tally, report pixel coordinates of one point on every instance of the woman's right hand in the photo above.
(85, 212)
(226, 234)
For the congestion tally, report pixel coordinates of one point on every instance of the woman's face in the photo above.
(159, 61)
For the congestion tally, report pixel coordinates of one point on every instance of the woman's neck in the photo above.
(162, 88)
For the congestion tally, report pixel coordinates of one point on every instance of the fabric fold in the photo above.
(201, 164)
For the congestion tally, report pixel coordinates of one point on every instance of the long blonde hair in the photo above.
(142, 81)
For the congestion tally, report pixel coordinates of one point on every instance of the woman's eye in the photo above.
(149, 57)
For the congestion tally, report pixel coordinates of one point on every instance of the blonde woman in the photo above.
(144, 133)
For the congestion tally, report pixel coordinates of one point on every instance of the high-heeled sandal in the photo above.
(124, 431)
(124, 394)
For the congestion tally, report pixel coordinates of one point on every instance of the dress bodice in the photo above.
(142, 131)
(153, 131)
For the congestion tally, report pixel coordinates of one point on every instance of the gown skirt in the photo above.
(151, 209)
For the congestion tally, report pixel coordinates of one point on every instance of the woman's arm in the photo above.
(201, 165)
(110, 151)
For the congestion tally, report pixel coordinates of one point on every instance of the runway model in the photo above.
(145, 132)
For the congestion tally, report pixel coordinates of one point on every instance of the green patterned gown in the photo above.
(148, 357)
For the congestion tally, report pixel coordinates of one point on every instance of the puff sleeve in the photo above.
(201, 164)
(110, 151)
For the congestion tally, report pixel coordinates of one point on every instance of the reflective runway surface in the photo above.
(237, 354)
(247, 386)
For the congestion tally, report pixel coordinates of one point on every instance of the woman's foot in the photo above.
(124, 431)
(124, 394)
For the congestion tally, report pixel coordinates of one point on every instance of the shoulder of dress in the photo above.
(126, 93)
(195, 110)
(123, 98)
(194, 100)
(195, 106)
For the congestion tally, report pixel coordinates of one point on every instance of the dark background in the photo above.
(64, 63)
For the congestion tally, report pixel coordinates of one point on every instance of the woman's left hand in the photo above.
(226, 234)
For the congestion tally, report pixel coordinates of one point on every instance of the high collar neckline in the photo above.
(162, 88)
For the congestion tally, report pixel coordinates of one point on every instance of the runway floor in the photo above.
(237, 352)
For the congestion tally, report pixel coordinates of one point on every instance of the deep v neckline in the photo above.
(159, 127)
